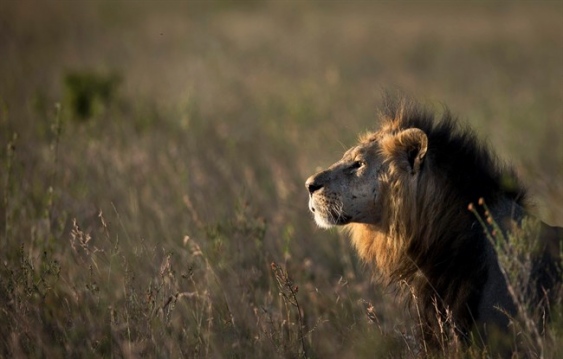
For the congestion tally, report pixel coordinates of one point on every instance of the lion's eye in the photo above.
(356, 165)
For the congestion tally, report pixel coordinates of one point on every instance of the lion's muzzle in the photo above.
(326, 207)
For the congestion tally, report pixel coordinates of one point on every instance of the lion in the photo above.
(403, 194)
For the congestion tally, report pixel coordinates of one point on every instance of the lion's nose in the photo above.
(312, 185)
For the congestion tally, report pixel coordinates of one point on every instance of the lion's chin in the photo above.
(330, 221)
(323, 222)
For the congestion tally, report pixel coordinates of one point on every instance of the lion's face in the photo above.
(347, 192)
(353, 189)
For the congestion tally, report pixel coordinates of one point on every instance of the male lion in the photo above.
(403, 192)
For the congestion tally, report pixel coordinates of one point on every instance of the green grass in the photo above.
(146, 222)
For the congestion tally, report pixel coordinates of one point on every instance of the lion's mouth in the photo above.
(328, 213)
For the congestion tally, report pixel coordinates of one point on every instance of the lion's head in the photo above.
(353, 190)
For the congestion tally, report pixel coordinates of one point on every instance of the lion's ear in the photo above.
(412, 145)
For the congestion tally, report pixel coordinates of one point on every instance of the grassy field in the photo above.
(153, 159)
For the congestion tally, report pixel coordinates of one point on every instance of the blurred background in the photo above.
(154, 156)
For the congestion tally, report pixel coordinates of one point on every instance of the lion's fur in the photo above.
(426, 237)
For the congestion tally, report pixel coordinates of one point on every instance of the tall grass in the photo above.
(535, 325)
(146, 222)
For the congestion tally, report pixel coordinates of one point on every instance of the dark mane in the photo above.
(445, 238)
(470, 166)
